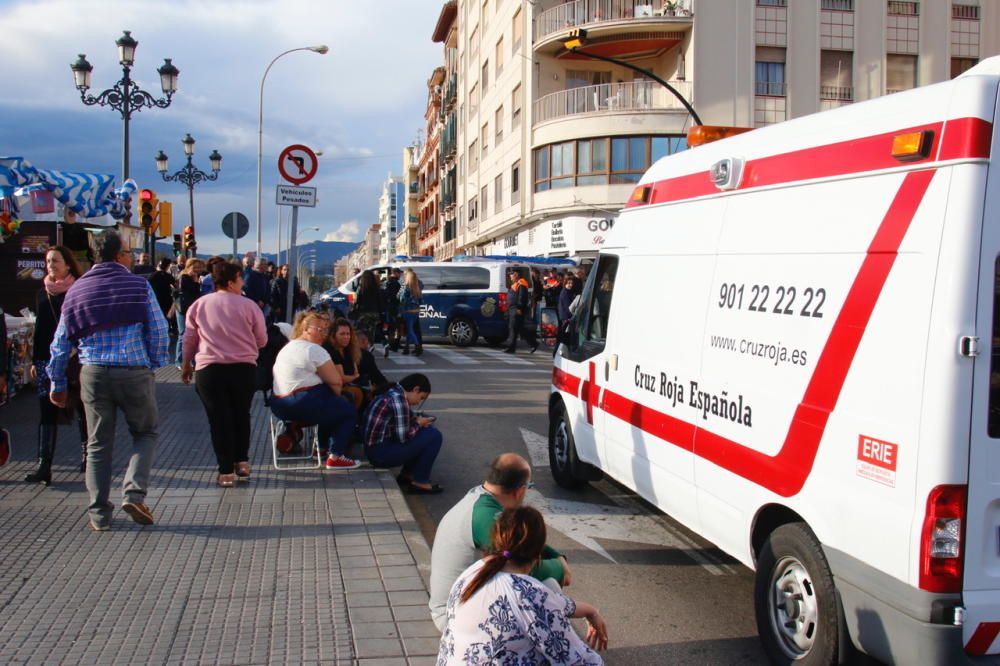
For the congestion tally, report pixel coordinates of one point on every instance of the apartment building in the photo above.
(406, 237)
(548, 143)
(390, 216)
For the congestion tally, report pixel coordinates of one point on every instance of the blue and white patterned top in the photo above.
(513, 620)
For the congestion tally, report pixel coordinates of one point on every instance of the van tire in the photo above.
(462, 332)
(791, 563)
(562, 450)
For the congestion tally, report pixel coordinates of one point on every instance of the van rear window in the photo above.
(464, 277)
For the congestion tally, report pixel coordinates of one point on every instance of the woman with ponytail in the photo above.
(498, 614)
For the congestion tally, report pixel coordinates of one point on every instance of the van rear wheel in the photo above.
(562, 450)
(462, 332)
(799, 617)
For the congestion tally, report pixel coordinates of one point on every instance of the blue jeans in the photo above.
(416, 456)
(180, 336)
(412, 321)
(334, 415)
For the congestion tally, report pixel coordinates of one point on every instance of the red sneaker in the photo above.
(341, 462)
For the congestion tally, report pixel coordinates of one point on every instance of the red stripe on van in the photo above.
(954, 139)
(983, 638)
(786, 472)
(564, 381)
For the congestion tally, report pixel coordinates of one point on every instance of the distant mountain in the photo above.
(327, 253)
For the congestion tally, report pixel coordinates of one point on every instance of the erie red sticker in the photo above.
(877, 460)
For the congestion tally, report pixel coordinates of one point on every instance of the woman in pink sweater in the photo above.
(222, 335)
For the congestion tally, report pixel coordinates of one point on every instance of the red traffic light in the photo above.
(146, 195)
(189, 230)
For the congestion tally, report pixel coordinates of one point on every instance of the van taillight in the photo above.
(350, 298)
(941, 553)
(502, 300)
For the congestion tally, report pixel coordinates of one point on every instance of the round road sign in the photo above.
(242, 225)
(297, 164)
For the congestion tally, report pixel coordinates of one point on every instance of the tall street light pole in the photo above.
(322, 49)
(125, 97)
(578, 38)
(188, 174)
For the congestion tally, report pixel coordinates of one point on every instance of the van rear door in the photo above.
(981, 577)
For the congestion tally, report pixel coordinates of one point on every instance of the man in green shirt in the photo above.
(464, 532)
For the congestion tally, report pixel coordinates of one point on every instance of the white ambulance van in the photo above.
(791, 344)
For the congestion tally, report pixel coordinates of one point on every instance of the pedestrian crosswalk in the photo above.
(447, 356)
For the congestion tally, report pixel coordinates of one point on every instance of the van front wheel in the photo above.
(462, 332)
(799, 617)
(562, 450)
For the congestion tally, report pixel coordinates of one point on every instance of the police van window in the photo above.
(595, 304)
(993, 423)
(464, 277)
(429, 276)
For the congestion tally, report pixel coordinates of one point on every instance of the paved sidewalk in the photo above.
(294, 567)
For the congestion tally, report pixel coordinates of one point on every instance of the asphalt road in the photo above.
(668, 596)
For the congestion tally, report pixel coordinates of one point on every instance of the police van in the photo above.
(814, 384)
(463, 301)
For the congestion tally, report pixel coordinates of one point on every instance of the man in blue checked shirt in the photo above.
(395, 435)
(113, 320)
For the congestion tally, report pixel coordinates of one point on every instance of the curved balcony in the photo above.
(610, 20)
(631, 98)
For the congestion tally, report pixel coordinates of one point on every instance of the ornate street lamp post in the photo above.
(125, 97)
(189, 174)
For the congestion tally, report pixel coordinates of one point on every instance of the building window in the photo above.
(900, 72)
(498, 126)
(486, 15)
(484, 139)
(473, 99)
(473, 213)
(903, 8)
(473, 44)
(600, 161)
(473, 155)
(771, 3)
(837, 5)
(961, 65)
(497, 193)
(516, 31)
(498, 57)
(485, 78)
(966, 12)
(770, 71)
(484, 199)
(836, 70)
(515, 107)
(515, 183)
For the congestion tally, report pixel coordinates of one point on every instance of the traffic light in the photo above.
(177, 244)
(165, 219)
(189, 242)
(149, 206)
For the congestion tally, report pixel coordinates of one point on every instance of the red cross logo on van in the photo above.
(590, 392)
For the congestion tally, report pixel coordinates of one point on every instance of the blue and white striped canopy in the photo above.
(87, 194)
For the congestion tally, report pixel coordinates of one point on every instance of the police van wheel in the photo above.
(799, 616)
(462, 332)
(562, 451)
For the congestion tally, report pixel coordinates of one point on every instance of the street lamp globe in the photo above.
(81, 72)
(168, 76)
(216, 159)
(161, 162)
(188, 142)
(322, 49)
(126, 49)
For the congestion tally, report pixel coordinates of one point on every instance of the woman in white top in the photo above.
(498, 614)
(307, 388)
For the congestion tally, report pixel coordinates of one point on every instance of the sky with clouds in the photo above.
(360, 104)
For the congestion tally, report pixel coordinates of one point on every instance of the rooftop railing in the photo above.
(584, 13)
(631, 97)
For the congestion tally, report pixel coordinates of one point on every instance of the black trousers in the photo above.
(518, 328)
(226, 390)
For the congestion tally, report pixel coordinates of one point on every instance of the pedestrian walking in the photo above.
(368, 307)
(61, 271)
(112, 318)
(223, 335)
(498, 614)
(256, 286)
(395, 328)
(395, 435)
(409, 306)
(307, 389)
(279, 295)
(163, 286)
(519, 298)
(5, 440)
(188, 291)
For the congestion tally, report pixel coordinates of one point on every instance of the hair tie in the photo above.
(505, 554)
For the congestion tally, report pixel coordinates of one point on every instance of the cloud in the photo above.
(347, 232)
